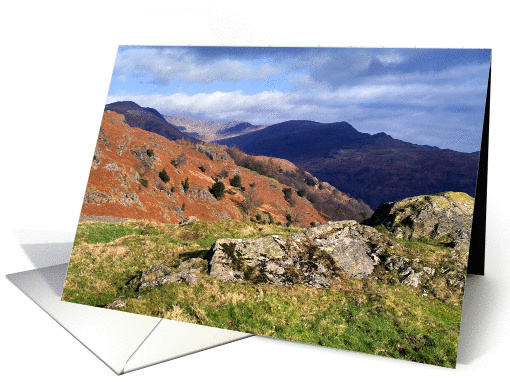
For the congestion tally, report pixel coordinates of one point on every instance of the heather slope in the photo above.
(127, 181)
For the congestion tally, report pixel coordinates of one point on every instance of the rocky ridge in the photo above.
(319, 255)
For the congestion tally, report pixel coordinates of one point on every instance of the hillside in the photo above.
(374, 168)
(126, 181)
(148, 119)
(332, 203)
(209, 130)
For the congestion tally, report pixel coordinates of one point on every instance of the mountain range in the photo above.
(208, 130)
(138, 174)
(374, 168)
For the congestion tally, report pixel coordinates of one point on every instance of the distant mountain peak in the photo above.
(148, 119)
(210, 130)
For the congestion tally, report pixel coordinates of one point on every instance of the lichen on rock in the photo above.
(312, 257)
(445, 217)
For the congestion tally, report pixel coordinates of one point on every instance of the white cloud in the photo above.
(271, 106)
(390, 57)
(165, 65)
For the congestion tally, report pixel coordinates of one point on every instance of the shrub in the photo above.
(251, 201)
(144, 182)
(236, 181)
(288, 217)
(218, 189)
(202, 168)
(185, 185)
(183, 206)
(150, 152)
(271, 220)
(287, 195)
(172, 189)
(258, 217)
(288, 224)
(301, 192)
(164, 176)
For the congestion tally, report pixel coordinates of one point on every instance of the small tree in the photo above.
(287, 195)
(164, 176)
(218, 189)
(144, 182)
(185, 185)
(202, 168)
(183, 206)
(150, 152)
(301, 192)
(236, 181)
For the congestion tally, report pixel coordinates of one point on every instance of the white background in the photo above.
(56, 62)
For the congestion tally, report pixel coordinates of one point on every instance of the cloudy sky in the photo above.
(425, 96)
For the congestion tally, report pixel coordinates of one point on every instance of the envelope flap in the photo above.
(111, 335)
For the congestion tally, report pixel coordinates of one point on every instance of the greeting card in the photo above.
(320, 195)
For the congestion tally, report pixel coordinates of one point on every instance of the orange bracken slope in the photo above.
(127, 157)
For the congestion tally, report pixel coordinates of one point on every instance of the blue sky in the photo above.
(424, 96)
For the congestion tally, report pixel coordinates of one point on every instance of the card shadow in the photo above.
(480, 297)
(45, 254)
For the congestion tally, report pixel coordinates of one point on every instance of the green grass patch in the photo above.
(366, 315)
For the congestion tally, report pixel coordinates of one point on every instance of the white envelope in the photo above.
(123, 341)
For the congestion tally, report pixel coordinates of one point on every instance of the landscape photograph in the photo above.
(317, 195)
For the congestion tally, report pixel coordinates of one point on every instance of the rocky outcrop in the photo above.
(117, 304)
(213, 152)
(338, 249)
(188, 220)
(445, 217)
(160, 274)
(421, 245)
(311, 257)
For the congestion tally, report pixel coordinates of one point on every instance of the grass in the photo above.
(376, 315)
